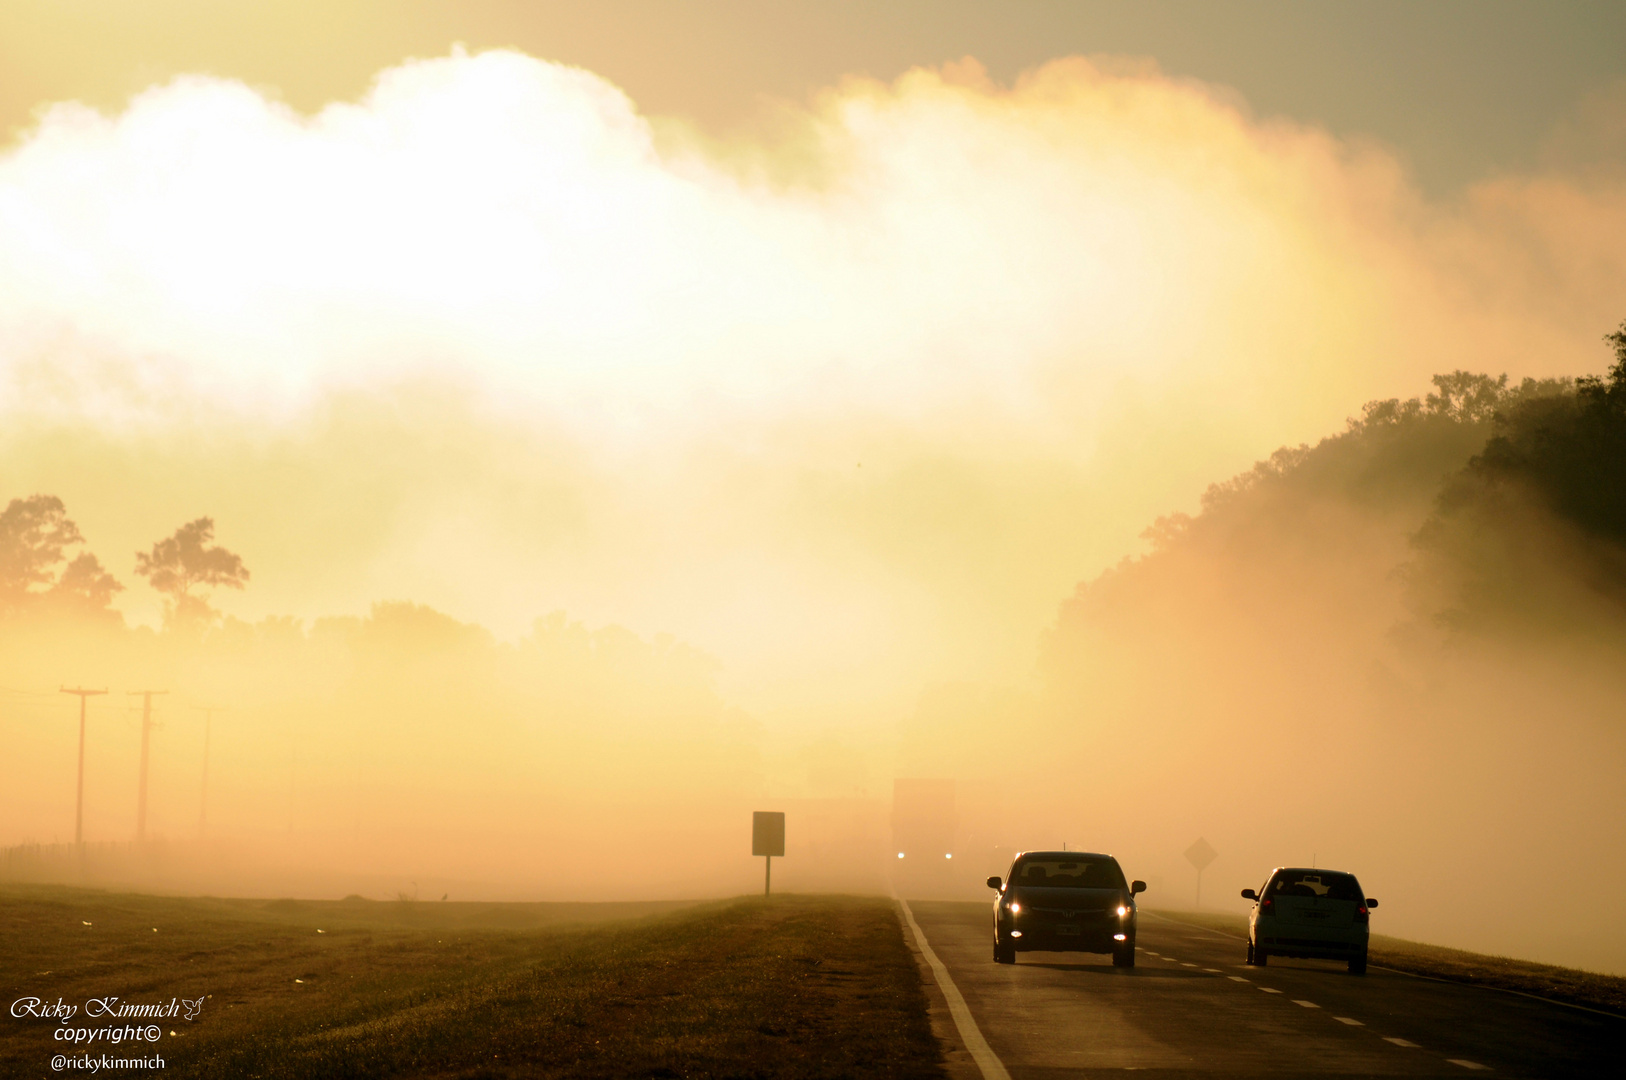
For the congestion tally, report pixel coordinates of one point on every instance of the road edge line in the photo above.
(983, 1054)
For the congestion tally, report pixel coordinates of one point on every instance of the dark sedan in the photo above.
(1072, 901)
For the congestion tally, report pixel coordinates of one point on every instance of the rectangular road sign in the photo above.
(767, 832)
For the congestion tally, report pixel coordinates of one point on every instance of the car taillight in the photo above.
(1360, 913)
(1267, 906)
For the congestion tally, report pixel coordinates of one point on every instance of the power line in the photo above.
(203, 800)
(146, 697)
(79, 799)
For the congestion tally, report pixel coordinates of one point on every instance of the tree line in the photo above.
(39, 577)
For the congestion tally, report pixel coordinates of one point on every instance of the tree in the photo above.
(85, 586)
(35, 534)
(1533, 529)
(185, 561)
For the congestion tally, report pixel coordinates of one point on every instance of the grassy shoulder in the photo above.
(793, 987)
(1570, 985)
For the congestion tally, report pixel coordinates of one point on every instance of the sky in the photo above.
(840, 341)
(1460, 89)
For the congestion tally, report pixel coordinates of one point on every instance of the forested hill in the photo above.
(1484, 503)
(1401, 650)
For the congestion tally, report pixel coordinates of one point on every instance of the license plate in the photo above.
(1316, 914)
(1065, 930)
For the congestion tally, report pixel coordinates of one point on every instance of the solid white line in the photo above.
(1350, 1020)
(1466, 1064)
(992, 1068)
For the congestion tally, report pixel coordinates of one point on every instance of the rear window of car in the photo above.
(1068, 874)
(1332, 886)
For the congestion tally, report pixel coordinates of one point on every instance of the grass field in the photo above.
(792, 987)
(1585, 988)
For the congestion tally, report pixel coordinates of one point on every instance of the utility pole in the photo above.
(146, 697)
(203, 800)
(79, 800)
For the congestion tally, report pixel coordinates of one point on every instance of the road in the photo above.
(1191, 1008)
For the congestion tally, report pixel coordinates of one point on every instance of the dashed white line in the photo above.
(1270, 989)
(1466, 1064)
(1306, 1004)
(1212, 971)
(1399, 1042)
(1183, 964)
(1350, 1020)
(1237, 978)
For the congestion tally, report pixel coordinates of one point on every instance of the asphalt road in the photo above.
(1191, 1007)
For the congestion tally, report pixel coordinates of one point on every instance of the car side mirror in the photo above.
(1249, 894)
(1136, 886)
(993, 883)
(1371, 903)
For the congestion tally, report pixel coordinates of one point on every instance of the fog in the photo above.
(810, 435)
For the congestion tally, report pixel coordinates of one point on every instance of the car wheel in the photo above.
(1250, 952)
(1357, 964)
(1260, 957)
(1004, 954)
(1124, 955)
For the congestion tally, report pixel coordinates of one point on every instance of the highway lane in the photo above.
(1191, 1007)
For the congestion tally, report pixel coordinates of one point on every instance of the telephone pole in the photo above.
(79, 799)
(146, 697)
(203, 801)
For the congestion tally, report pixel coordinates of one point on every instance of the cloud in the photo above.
(852, 406)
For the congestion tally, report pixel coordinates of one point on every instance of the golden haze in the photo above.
(851, 411)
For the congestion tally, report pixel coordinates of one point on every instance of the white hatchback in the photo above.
(1314, 913)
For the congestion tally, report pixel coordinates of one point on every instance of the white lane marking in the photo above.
(1212, 971)
(1350, 1020)
(1408, 974)
(1270, 989)
(1400, 1042)
(1306, 1004)
(992, 1068)
(1237, 978)
(1466, 1064)
(1183, 964)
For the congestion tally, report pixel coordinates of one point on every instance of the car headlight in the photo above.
(1122, 911)
(1013, 907)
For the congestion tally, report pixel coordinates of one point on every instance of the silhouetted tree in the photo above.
(1542, 505)
(85, 586)
(184, 562)
(35, 534)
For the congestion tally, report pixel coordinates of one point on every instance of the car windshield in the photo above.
(1060, 873)
(1323, 883)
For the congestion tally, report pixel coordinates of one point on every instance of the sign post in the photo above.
(1200, 855)
(768, 840)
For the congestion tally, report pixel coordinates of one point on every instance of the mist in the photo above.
(812, 433)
